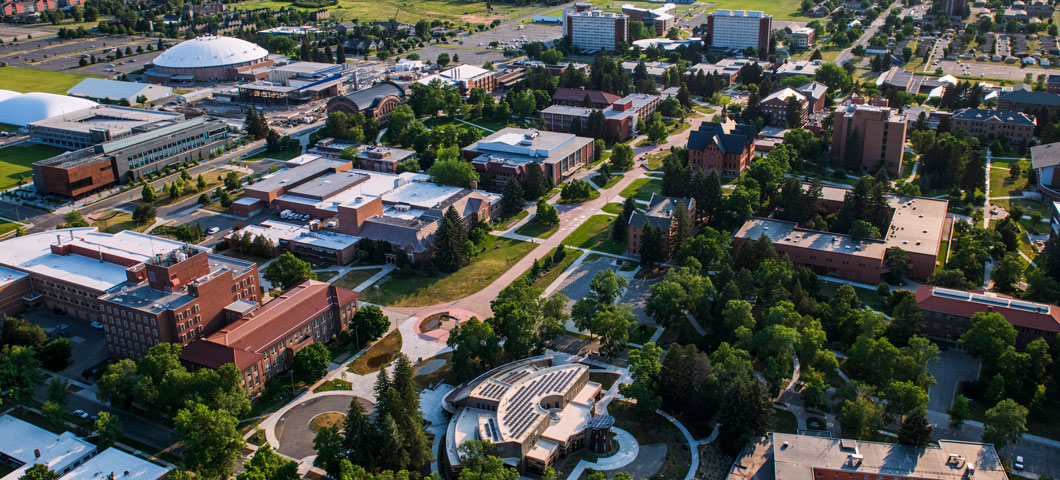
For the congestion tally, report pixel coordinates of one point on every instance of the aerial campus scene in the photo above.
(529, 239)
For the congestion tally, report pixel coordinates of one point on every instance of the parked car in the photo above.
(212, 230)
(81, 413)
(97, 325)
(1018, 464)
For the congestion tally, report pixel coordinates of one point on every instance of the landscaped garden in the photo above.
(379, 355)
(414, 289)
(356, 277)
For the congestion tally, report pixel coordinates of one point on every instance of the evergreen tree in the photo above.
(651, 247)
(449, 242)
(535, 185)
(358, 436)
(620, 227)
(915, 429)
(340, 54)
(513, 196)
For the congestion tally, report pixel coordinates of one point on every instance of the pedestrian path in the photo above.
(692, 443)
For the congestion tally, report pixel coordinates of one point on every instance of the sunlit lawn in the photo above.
(595, 234)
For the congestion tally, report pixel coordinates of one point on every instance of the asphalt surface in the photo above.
(952, 367)
(845, 55)
(292, 431)
(59, 54)
(136, 427)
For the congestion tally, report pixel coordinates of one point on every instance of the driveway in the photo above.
(952, 367)
(292, 430)
(576, 285)
(88, 344)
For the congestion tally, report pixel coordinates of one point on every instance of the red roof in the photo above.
(244, 341)
(1019, 313)
(578, 95)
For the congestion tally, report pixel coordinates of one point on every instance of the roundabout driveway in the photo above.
(292, 429)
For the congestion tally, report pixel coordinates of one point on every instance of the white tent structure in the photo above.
(23, 109)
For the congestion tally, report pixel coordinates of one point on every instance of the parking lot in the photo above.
(57, 54)
(474, 49)
(88, 343)
(952, 367)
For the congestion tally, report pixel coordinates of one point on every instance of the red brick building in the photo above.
(776, 106)
(621, 117)
(1016, 127)
(263, 340)
(575, 97)
(508, 152)
(724, 147)
(174, 297)
(660, 215)
(948, 314)
(376, 101)
(878, 130)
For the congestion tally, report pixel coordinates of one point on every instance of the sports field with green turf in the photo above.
(17, 161)
(31, 80)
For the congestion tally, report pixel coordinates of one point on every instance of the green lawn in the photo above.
(534, 228)
(16, 161)
(784, 422)
(1028, 206)
(613, 208)
(642, 188)
(326, 275)
(595, 234)
(336, 384)
(407, 11)
(1003, 185)
(32, 80)
(593, 195)
(113, 221)
(6, 227)
(655, 160)
(284, 155)
(378, 355)
(553, 273)
(414, 290)
(356, 277)
(437, 122)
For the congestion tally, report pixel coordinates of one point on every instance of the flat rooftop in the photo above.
(294, 175)
(326, 186)
(32, 253)
(520, 146)
(142, 296)
(114, 463)
(787, 233)
(29, 444)
(276, 231)
(119, 120)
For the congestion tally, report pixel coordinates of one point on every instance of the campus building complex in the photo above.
(591, 29)
(1016, 127)
(580, 97)
(1045, 159)
(783, 456)
(660, 19)
(91, 126)
(918, 226)
(305, 241)
(263, 340)
(149, 148)
(207, 58)
(726, 148)
(465, 77)
(661, 215)
(295, 83)
(508, 152)
(377, 158)
(879, 131)
(621, 117)
(948, 314)
(533, 411)
(738, 30)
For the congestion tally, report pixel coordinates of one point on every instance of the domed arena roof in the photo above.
(6, 94)
(210, 51)
(26, 108)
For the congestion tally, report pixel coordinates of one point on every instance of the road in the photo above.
(136, 427)
(846, 54)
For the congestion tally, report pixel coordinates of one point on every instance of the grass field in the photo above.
(418, 290)
(113, 221)
(378, 355)
(534, 228)
(17, 161)
(595, 234)
(336, 384)
(642, 189)
(6, 227)
(408, 11)
(1003, 185)
(1028, 206)
(31, 80)
(553, 273)
(285, 155)
(356, 277)
(784, 422)
(614, 208)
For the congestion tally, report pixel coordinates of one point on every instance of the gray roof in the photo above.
(1044, 156)
(368, 97)
(729, 140)
(1031, 98)
(660, 212)
(999, 116)
(814, 90)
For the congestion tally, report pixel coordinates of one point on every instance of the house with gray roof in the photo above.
(1016, 127)
(662, 215)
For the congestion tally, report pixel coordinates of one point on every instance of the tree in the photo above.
(666, 303)
(620, 227)
(268, 465)
(311, 362)
(897, 261)
(988, 338)
(145, 214)
(108, 429)
(147, 194)
(443, 59)
(358, 435)
(56, 354)
(613, 324)
(652, 246)
(645, 367)
(74, 219)
(117, 385)
(479, 463)
(449, 240)
(55, 415)
(915, 429)
(328, 445)
(859, 418)
(834, 76)
(513, 196)
(371, 322)
(212, 442)
(960, 411)
(622, 157)
(288, 271)
(476, 348)
(452, 170)
(1005, 423)
(546, 213)
(39, 471)
(1007, 273)
(745, 413)
(232, 181)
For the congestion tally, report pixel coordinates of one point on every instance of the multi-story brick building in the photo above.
(776, 106)
(660, 215)
(591, 29)
(802, 37)
(727, 148)
(879, 131)
(1016, 127)
(738, 30)
(508, 152)
(576, 97)
(621, 117)
(1028, 101)
(376, 101)
(917, 226)
(948, 314)
(263, 340)
(377, 158)
(174, 297)
(955, 8)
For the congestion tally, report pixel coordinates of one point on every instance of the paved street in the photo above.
(869, 32)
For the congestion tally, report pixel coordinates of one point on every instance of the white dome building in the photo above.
(205, 59)
(25, 108)
(6, 94)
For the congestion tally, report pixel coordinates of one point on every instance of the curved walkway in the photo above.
(692, 444)
(628, 449)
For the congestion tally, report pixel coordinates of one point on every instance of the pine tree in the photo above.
(684, 222)
(340, 53)
(449, 242)
(513, 196)
(620, 228)
(411, 423)
(651, 247)
(359, 436)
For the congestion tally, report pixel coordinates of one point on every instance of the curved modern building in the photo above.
(21, 109)
(376, 101)
(204, 59)
(532, 411)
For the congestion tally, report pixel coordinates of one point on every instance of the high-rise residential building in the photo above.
(590, 28)
(955, 8)
(879, 132)
(739, 29)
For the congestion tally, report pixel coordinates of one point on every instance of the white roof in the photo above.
(276, 231)
(117, 463)
(6, 94)
(112, 89)
(27, 108)
(31, 444)
(210, 51)
(32, 253)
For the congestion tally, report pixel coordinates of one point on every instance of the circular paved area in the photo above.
(292, 430)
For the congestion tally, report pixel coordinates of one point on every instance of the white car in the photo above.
(81, 413)
(97, 325)
(1018, 464)
(212, 230)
